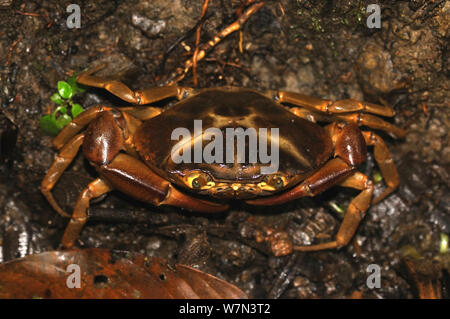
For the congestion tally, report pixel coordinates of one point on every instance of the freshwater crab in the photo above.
(130, 148)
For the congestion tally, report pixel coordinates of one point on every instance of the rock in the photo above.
(147, 25)
(375, 70)
(5, 3)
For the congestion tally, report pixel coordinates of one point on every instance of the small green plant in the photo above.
(52, 123)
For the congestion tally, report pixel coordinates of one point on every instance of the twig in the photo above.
(31, 14)
(223, 64)
(45, 15)
(235, 26)
(172, 47)
(11, 49)
(197, 42)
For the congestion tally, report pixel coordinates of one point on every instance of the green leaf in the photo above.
(48, 125)
(61, 109)
(72, 81)
(56, 98)
(65, 90)
(62, 121)
(76, 110)
(74, 85)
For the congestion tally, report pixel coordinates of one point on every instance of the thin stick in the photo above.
(235, 26)
(160, 69)
(197, 42)
(11, 49)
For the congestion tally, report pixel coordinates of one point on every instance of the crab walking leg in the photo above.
(353, 216)
(79, 217)
(132, 177)
(359, 119)
(309, 115)
(330, 107)
(385, 163)
(60, 164)
(373, 122)
(142, 113)
(122, 91)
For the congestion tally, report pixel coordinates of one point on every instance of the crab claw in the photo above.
(328, 175)
(132, 177)
(179, 199)
(296, 192)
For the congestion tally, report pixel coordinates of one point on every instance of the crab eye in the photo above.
(199, 181)
(278, 182)
(196, 183)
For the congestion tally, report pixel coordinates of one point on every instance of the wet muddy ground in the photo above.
(320, 48)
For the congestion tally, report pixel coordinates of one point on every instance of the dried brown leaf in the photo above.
(108, 274)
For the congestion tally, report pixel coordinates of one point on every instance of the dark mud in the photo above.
(321, 48)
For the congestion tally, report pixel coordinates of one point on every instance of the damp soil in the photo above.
(319, 48)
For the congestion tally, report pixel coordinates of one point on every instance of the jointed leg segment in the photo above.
(348, 110)
(385, 163)
(330, 107)
(371, 121)
(79, 217)
(122, 91)
(353, 216)
(62, 161)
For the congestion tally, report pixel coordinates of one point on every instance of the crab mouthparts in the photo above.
(234, 190)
